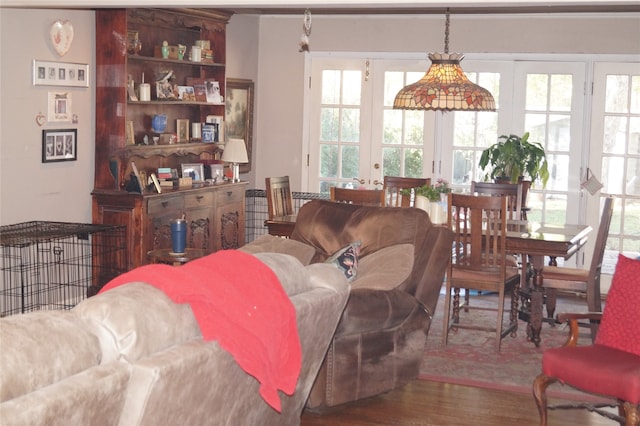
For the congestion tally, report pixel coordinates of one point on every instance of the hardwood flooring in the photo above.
(427, 403)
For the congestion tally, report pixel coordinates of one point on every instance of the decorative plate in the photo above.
(61, 33)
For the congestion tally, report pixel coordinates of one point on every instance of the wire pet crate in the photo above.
(55, 265)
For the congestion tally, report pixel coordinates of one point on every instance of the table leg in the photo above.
(537, 297)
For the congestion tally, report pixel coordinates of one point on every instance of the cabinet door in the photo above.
(229, 218)
(161, 211)
(199, 213)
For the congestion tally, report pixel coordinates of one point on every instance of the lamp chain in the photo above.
(446, 33)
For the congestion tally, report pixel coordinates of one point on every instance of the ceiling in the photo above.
(350, 7)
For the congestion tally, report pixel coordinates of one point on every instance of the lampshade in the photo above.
(235, 151)
(445, 87)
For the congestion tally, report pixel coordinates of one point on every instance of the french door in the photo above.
(354, 141)
(615, 154)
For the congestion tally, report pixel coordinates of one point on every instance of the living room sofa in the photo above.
(380, 340)
(131, 356)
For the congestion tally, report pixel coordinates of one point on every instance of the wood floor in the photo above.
(423, 403)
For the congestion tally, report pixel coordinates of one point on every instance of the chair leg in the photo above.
(540, 385)
(631, 413)
(500, 320)
(513, 316)
(446, 316)
(455, 316)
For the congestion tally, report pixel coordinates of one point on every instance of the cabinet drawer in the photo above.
(229, 195)
(203, 199)
(165, 205)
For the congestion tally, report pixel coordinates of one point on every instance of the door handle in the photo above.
(360, 181)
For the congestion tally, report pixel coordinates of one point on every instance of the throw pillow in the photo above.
(619, 327)
(346, 259)
(386, 268)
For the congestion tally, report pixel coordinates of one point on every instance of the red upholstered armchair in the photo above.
(611, 366)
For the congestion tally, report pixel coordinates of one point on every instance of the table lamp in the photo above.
(235, 152)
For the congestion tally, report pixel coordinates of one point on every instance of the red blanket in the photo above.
(238, 301)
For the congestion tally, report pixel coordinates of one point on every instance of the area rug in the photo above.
(470, 357)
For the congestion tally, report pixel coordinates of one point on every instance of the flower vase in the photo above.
(435, 209)
(421, 202)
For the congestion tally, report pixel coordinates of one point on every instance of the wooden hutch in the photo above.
(215, 213)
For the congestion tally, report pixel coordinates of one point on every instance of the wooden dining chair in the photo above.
(279, 199)
(479, 224)
(513, 191)
(279, 205)
(393, 186)
(364, 197)
(585, 281)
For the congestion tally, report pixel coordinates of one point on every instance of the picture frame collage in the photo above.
(59, 145)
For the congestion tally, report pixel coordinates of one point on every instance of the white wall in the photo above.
(29, 189)
(263, 49)
(281, 66)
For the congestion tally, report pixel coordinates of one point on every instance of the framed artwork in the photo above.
(59, 145)
(239, 114)
(193, 170)
(46, 73)
(59, 107)
(130, 135)
(182, 130)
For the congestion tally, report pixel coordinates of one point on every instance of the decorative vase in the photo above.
(159, 123)
(435, 209)
(165, 50)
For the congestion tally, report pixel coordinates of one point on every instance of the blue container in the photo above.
(159, 123)
(178, 235)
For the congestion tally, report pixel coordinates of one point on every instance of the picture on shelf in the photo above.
(200, 92)
(186, 93)
(213, 92)
(193, 170)
(182, 130)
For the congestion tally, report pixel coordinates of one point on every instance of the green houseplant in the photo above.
(514, 157)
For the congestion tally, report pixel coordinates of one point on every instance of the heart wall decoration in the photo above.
(61, 33)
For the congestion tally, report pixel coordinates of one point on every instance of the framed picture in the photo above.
(47, 73)
(182, 130)
(59, 145)
(138, 178)
(130, 135)
(59, 107)
(156, 183)
(193, 170)
(239, 115)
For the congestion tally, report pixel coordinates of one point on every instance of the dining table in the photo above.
(535, 241)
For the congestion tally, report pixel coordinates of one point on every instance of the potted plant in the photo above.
(513, 158)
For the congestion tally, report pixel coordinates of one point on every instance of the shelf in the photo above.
(179, 150)
(174, 61)
(172, 102)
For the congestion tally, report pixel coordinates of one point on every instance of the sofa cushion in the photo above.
(272, 244)
(136, 320)
(376, 272)
(41, 348)
(346, 260)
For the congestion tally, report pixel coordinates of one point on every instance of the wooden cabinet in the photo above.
(117, 114)
(215, 213)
